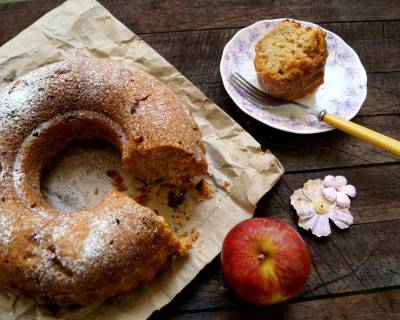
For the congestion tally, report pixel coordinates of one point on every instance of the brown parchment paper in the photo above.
(238, 169)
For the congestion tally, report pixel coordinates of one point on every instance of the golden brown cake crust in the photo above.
(290, 60)
(114, 246)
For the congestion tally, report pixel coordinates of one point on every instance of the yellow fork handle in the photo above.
(371, 136)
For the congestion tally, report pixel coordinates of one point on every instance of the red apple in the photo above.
(265, 261)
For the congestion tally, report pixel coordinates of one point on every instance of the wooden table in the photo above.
(356, 273)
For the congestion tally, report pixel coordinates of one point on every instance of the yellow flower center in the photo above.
(321, 206)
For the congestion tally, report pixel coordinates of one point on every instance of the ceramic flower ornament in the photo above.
(337, 189)
(315, 209)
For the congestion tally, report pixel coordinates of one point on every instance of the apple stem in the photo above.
(261, 256)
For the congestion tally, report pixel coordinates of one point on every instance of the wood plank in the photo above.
(17, 16)
(363, 257)
(332, 149)
(161, 16)
(366, 257)
(383, 97)
(383, 94)
(377, 42)
(327, 150)
(197, 54)
(372, 306)
(210, 14)
(378, 194)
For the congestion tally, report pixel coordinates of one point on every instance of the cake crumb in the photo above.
(116, 180)
(96, 191)
(204, 189)
(226, 184)
(194, 234)
(178, 222)
(175, 198)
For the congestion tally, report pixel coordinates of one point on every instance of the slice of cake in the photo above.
(290, 60)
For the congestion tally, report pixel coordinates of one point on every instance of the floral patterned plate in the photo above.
(343, 92)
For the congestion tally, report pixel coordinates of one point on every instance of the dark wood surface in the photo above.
(356, 273)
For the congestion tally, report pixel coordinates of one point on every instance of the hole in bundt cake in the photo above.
(79, 176)
(89, 164)
(82, 161)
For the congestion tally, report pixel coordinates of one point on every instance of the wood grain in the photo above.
(327, 150)
(377, 200)
(376, 43)
(383, 94)
(363, 257)
(381, 305)
(334, 149)
(177, 15)
(191, 35)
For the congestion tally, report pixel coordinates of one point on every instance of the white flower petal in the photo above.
(341, 181)
(307, 224)
(302, 205)
(312, 189)
(295, 198)
(305, 209)
(321, 227)
(342, 199)
(340, 224)
(308, 211)
(329, 181)
(350, 190)
(343, 215)
(329, 193)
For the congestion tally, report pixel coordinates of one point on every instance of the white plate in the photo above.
(343, 92)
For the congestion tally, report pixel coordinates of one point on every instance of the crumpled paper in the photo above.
(239, 170)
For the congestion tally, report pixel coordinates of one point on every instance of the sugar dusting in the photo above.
(18, 100)
(98, 244)
(5, 230)
(130, 97)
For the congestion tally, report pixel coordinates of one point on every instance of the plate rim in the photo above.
(277, 127)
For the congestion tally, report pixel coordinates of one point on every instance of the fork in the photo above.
(260, 98)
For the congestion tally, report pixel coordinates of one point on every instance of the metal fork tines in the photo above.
(259, 97)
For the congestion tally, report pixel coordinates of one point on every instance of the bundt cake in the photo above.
(290, 60)
(97, 252)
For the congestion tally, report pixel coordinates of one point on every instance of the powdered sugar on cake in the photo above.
(113, 246)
